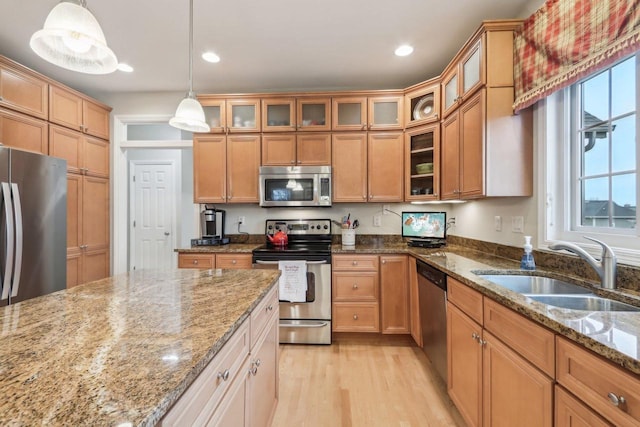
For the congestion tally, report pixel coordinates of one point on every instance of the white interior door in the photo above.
(153, 215)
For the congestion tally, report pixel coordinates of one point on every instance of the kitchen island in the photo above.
(122, 350)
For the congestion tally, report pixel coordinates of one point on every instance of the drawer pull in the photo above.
(270, 308)
(355, 317)
(475, 336)
(223, 375)
(616, 400)
(355, 286)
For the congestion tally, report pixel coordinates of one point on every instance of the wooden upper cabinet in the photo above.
(23, 132)
(23, 91)
(243, 164)
(96, 119)
(464, 77)
(385, 112)
(68, 109)
(422, 103)
(349, 167)
(308, 149)
(422, 145)
(349, 113)
(472, 148)
(210, 168)
(279, 150)
(313, 114)
(278, 114)
(243, 115)
(385, 154)
(84, 154)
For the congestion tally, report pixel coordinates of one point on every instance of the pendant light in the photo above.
(189, 114)
(72, 38)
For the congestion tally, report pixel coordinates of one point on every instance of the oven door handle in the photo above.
(306, 325)
(276, 262)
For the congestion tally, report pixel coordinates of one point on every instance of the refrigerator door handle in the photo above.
(18, 264)
(8, 268)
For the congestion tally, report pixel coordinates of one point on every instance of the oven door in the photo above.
(307, 322)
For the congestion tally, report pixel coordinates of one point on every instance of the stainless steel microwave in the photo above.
(295, 186)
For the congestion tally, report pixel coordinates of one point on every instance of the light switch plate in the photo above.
(517, 224)
(497, 222)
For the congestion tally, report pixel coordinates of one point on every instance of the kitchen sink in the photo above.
(534, 284)
(583, 302)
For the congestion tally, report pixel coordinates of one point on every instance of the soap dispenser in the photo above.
(527, 262)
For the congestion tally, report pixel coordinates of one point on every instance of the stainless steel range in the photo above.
(307, 321)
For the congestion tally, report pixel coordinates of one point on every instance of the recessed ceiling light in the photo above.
(125, 67)
(404, 50)
(210, 57)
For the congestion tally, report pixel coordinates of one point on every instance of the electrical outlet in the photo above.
(517, 224)
(377, 221)
(497, 222)
(386, 209)
(240, 220)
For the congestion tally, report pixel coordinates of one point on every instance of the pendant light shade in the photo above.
(189, 114)
(72, 38)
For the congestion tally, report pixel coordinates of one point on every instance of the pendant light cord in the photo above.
(191, 49)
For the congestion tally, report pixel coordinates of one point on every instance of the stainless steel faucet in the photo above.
(606, 267)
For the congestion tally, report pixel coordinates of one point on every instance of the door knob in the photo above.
(166, 233)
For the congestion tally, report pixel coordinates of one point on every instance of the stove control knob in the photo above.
(270, 227)
(326, 227)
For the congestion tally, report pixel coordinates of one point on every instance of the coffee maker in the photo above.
(212, 227)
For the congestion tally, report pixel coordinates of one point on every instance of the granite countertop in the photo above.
(222, 249)
(119, 351)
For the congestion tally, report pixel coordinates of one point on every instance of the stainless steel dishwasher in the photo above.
(432, 292)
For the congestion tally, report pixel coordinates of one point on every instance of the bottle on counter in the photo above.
(527, 262)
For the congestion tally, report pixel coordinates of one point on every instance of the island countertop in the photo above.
(119, 351)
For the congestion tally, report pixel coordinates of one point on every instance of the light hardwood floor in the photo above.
(361, 380)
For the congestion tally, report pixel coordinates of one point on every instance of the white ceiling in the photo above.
(265, 46)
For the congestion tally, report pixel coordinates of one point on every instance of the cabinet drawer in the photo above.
(352, 286)
(198, 403)
(592, 379)
(355, 317)
(233, 261)
(355, 262)
(570, 412)
(206, 261)
(467, 299)
(262, 313)
(532, 341)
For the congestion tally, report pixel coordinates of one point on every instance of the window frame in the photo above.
(556, 121)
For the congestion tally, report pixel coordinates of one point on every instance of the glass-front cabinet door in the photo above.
(422, 160)
(471, 70)
(450, 91)
(278, 115)
(314, 114)
(385, 112)
(214, 113)
(243, 115)
(349, 113)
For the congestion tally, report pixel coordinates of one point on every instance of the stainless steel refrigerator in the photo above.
(33, 225)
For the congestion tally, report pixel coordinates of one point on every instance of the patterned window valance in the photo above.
(566, 40)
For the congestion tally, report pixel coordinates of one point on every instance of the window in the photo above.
(588, 161)
(604, 172)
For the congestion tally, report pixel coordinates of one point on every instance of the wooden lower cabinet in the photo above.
(414, 303)
(394, 294)
(208, 260)
(514, 392)
(262, 388)
(570, 412)
(490, 383)
(355, 317)
(88, 253)
(23, 132)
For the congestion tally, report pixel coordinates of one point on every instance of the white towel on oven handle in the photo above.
(293, 281)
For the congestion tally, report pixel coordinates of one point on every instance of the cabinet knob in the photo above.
(1, 98)
(364, 197)
(258, 362)
(475, 336)
(270, 308)
(355, 286)
(384, 261)
(293, 162)
(195, 262)
(354, 263)
(616, 400)
(166, 233)
(355, 317)
(224, 376)
(233, 261)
